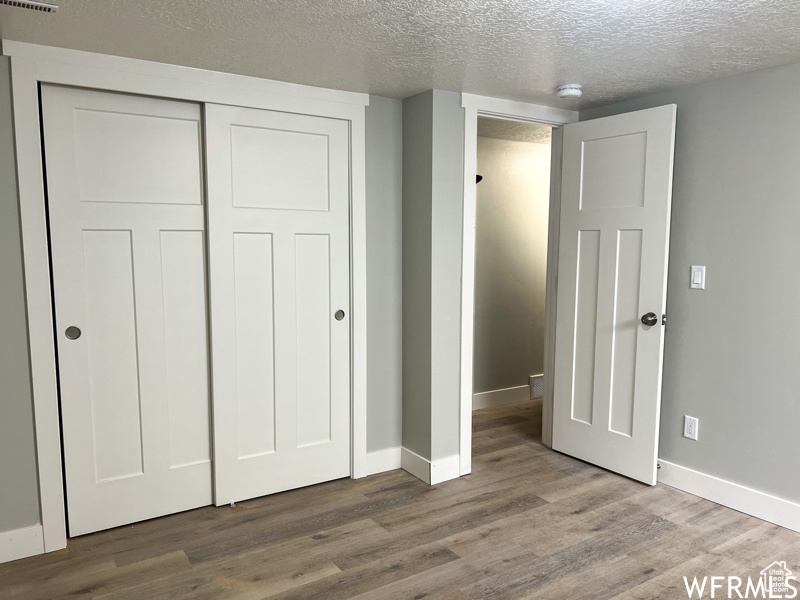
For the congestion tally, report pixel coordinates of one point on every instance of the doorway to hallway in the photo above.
(513, 197)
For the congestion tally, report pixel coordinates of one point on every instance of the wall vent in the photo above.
(31, 5)
(537, 386)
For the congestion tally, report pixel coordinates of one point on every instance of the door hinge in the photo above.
(664, 319)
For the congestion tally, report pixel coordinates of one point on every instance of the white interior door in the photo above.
(125, 196)
(612, 274)
(279, 269)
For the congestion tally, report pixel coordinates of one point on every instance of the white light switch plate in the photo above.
(697, 280)
(690, 427)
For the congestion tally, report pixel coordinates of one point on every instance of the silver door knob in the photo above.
(649, 319)
(72, 333)
(339, 315)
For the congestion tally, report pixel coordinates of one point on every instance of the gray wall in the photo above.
(433, 142)
(19, 491)
(447, 223)
(732, 351)
(510, 262)
(417, 213)
(384, 125)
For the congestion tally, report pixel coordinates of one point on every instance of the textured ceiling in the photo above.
(516, 49)
(512, 130)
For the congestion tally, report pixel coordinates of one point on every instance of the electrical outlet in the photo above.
(690, 427)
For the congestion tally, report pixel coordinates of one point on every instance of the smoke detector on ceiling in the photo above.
(31, 5)
(569, 90)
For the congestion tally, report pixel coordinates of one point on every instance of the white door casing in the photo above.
(279, 271)
(126, 208)
(613, 251)
(528, 113)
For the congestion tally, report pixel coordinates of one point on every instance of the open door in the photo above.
(612, 289)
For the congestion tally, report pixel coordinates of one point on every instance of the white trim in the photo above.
(511, 395)
(553, 233)
(112, 73)
(33, 64)
(515, 111)
(36, 265)
(445, 469)
(416, 465)
(119, 69)
(518, 111)
(738, 497)
(21, 543)
(432, 473)
(380, 461)
(358, 302)
(468, 286)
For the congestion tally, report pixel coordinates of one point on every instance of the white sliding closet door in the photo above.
(279, 271)
(125, 193)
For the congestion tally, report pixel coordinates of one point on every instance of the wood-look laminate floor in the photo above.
(527, 523)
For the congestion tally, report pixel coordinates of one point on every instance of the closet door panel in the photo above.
(279, 269)
(126, 212)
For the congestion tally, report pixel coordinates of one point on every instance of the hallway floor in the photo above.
(527, 523)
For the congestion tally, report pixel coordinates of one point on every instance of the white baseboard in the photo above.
(445, 469)
(21, 543)
(434, 472)
(380, 461)
(512, 395)
(738, 497)
(416, 465)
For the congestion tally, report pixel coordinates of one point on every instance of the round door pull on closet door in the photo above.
(649, 319)
(339, 315)
(72, 332)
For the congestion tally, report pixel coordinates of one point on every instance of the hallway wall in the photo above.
(510, 262)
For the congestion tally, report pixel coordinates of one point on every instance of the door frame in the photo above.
(32, 65)
(508, 110)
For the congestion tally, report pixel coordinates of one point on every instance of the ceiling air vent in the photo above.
(32, 5)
